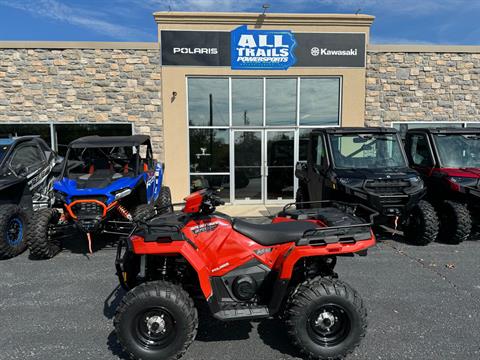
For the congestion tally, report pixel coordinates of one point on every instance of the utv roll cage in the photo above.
(95, 142)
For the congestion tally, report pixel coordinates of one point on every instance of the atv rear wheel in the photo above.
(422, 225)
(326, 318)
(41, 243)
(164, 201)
(143, 212)
(156, 320)
(455, 222)
(13, 230)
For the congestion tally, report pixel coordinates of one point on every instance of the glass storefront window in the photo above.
(247, 102)
(209, 150)
(65, 133)
(281, 102)
(319, 101)
(26, 129)
(303, 137)
(221, 183)
(208, 102)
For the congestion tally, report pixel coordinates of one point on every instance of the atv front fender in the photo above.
(182, 248)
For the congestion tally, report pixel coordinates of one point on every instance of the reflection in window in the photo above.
(319, 101)
(209, 150)
(247, 102)
(281, 101)
(66, 133)
(26, 129)
(221, 183)
(208, 102)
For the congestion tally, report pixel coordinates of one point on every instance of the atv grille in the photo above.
(102, 199)
(387, 186)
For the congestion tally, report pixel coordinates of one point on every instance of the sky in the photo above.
(397, 21)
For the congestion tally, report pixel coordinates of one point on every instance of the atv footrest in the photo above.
(243, 313)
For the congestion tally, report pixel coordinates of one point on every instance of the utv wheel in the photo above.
(13, 231)
(143, 212)
(422, 225)
(164, 201)
(156, 320)
(456, 222)
(41, 243)
(326, 318)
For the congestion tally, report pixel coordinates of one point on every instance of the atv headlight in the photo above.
(464, 181)
(122, 193)
(350, 182)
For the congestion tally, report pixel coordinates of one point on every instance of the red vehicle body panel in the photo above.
(220, 249)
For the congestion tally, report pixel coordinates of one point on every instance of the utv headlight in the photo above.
(350, 182)
(464, 181)
(416, 181)
(122, 193)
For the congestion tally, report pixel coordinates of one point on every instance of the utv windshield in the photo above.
(367, 151)
(458, 150)
(113, 163)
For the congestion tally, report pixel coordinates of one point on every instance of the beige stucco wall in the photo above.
(174, 77)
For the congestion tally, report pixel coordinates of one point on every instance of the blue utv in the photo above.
(106, 183)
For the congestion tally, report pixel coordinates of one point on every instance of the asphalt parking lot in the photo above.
(423, 302)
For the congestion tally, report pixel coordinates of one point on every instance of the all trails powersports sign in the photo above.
(257, 49)
(245, 49)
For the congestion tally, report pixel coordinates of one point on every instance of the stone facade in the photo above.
(424, 86)
(83, 85)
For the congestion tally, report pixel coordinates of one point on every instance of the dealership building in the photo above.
(230, 98)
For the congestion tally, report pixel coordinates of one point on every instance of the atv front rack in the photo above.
(344, 223)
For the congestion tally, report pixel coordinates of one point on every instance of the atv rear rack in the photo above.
(359, 217)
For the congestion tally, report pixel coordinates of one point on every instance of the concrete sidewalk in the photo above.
(251, 210)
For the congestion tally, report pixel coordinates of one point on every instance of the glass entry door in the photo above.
(279, 165)
(248, 166)
(263, 165)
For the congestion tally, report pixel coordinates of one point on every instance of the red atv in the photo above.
(243, 271)
(448, 160)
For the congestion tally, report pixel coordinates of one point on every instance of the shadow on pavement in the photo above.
(112, 301)
(274, 334)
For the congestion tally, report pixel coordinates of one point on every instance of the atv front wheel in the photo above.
(41, 243)
(326, 318)
(13, 230)
(156, 320)
(164, 201)
(422, 225)
(455, 222)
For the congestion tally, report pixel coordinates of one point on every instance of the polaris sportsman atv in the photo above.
(105, 183)
(448, 160)
(243, 271)
(368, 165)
(26, 178)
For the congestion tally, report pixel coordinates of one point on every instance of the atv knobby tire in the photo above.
(422, 226)
(13, 230)
(455, 222)
(343, 326)
(175, 315)
(40, 241)
(143, 212)
(164, 201)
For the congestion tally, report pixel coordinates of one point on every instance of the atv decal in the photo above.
(204, 228)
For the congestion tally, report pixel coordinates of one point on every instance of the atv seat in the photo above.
(273, 234)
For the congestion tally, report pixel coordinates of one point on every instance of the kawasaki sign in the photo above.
(262, 49)
(244, 49)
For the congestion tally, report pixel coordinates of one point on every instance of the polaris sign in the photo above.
(262, 49)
